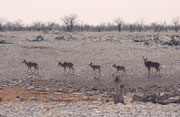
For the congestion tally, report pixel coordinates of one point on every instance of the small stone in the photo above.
(22, 99)
(174, 98)
(20, 81)
(31, 87)
(1, 99)
(162, 93)
(58, 99)
(127, 100)
(65, 90)
(47, 89)
(71, 91)
(34, 99)
(49, 99)
(107, 100)
(85, 98)
(101, 99)
(18, 97)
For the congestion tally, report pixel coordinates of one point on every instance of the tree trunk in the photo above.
(176, 29)
(119, 27)
(119, 90)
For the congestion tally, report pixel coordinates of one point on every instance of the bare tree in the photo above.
(101, 27)
(140, 24)
(50, 25)
(164, 26)
(176, 23)
(19, 24)
(2, 21)
(8, 25)
(37, 26)
(69, 21)
(119, 22)
(155, 27)
(132, 27)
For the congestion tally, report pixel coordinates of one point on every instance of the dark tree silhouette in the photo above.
(69, 21)
(140, 24)
(2, 21)
(119, 22)
(176, 24)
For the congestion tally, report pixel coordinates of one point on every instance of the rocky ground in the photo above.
(84, 109)
(51, 93)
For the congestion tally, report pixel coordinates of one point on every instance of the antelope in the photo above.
(65, 65)
(30, 65)
(120, 68)
(94, 67)
(150, 64)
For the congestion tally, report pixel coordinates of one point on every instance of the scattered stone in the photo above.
(38, 38)
(1, 99)
(22, 99)
(60, 38)
(30, 87)
(65, 90)
(18, 97)
(42, 90)
(49, 99)
(58, 99)
(71, 91)
(85, 98)
(47, 89)
(127, 99)
(107, 100)
(4, 42)
(34, 99)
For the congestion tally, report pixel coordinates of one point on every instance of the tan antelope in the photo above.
(150, 64)
(120, 68)
(66, 65)
(30, 65)
(95, 67)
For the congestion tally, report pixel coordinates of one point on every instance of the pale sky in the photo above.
(90, 11)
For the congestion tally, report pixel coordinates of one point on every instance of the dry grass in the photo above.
(11, 94)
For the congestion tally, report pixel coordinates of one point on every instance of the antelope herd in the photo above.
(148, 64)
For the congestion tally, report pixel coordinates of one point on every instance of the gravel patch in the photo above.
(83, 109)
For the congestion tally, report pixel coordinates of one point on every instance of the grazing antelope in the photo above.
(120, 68)
(150, 64)
(30, 65)
(94, 67)
(65, 65)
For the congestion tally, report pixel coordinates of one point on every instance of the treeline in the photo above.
(70, 23)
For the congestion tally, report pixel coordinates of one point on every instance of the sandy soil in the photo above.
(104, 48)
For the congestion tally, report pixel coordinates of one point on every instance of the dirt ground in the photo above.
(81, 48)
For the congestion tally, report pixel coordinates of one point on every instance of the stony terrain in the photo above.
(51, 93)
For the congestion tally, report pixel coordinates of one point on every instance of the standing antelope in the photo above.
(94, 67)
(150, 64)
(30, 65)
(65, 65)
(120, 68)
